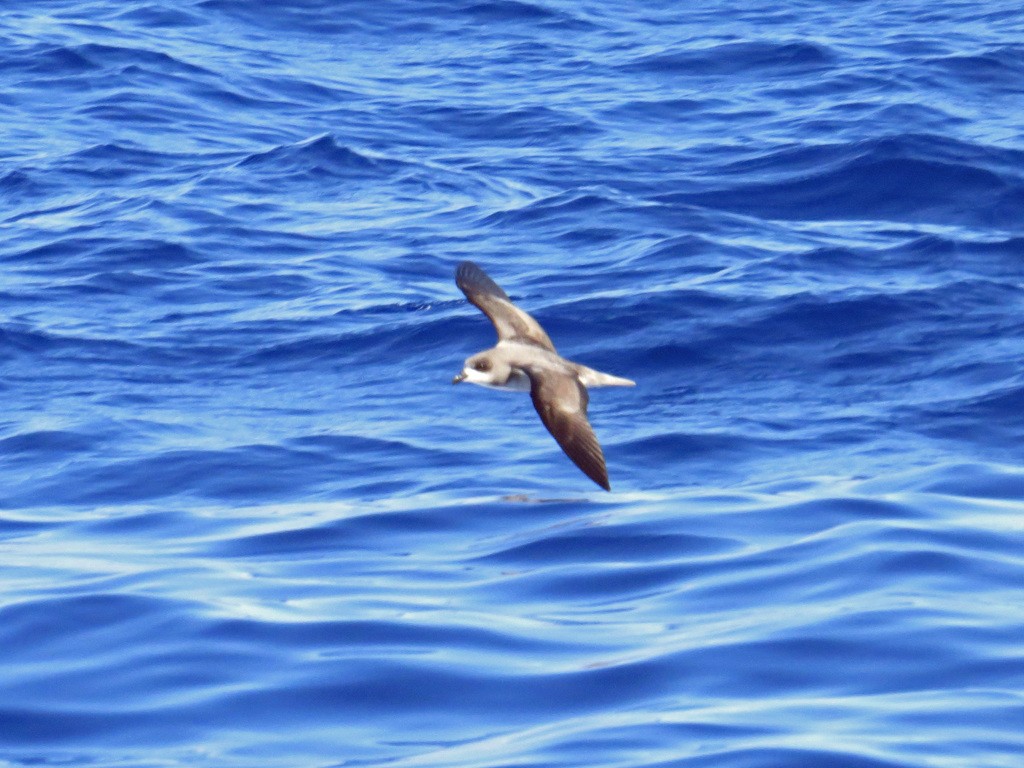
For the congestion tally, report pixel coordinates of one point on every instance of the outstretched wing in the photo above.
(510, 321)
(561, 400)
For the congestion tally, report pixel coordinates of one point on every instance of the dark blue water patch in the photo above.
(154, 16)
(789, 663)
(606, 544)
(135, 109)
(155, 255)
(573, 204)
(669, 110)
(971, 480)
(119, 282)
(681, 357)
(69, 357)
(821, 571)
(995, 70)
(1010, 247)
(110, 162)
(330, 639)
(47, 441)
(27, 340)
(11, 528)
(321, 158)
(809, 317)
(96, 63)
(33, 630)
(296, 16)
(678, 447)
(993, 416)
(916, 119)
(34, 727)
(896, 181)
(393, 336)
(124, 56)
(783, 758)
(397, 531)
(633, 743)
(429, 19)
(371, 531)
(510, 11)
(611, 584)
(20, 186)
(360, 689)
(268, 471)
(54, 254)
(302, 91)
(517, 127)
(48, 59)
(146, 523)
(734, 58)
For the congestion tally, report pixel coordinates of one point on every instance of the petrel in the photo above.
(524, 359)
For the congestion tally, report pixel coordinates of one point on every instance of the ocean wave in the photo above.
(737, 57)
(579, 594)
(321, 158)
(245, 519)
(999, 66)
(901, 179)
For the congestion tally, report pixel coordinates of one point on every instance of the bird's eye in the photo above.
(483, 366)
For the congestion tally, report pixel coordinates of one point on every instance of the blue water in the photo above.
(245, 520)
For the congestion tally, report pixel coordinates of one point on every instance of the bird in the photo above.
(525, 360)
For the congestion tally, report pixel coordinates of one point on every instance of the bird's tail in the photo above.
(592, 378)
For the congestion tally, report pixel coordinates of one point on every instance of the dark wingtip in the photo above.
(465, 267)
(599, 475)
(473, 281)
(467, 273)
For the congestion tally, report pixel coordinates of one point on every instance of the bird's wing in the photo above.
(510, 321)
(561, 400)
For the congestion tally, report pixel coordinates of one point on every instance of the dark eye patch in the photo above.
(483, 366)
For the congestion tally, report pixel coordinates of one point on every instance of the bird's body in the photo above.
(524, 359)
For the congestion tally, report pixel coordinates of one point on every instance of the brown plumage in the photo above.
(524, 358)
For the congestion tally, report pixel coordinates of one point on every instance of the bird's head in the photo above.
(485, 369)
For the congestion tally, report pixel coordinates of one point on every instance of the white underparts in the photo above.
(517, 382)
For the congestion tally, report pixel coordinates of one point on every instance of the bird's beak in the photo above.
(460, 377)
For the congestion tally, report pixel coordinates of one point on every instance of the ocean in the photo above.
(245, 519)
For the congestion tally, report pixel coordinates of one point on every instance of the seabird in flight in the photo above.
(525, 360)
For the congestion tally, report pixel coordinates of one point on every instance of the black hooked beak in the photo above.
(460, 377)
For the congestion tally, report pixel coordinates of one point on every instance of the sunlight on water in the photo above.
(245, 519)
